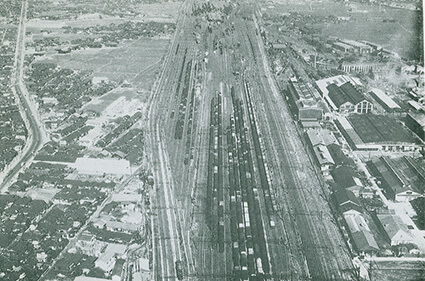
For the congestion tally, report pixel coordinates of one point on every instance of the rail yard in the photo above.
(237, 196)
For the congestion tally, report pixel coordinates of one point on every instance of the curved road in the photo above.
(36, 133)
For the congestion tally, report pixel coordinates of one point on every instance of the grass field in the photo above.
(136, 61)
(366, 23)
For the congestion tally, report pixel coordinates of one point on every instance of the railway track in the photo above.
(236, 197)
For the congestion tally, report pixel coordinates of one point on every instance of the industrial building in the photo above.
(347, 99)
(416, 123)
(358, 47)
(338, 80)
(99, 167)
(384, 100)
(303, 99)
(377, 132)
(346, 201)
(362, 67)
(402, 178)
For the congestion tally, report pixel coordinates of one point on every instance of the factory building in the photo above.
(402, 179)
(360, 67)
(384, 100)
(358, 47)
(377, 132)
(347, 99)
(416, 123)
(303, 101)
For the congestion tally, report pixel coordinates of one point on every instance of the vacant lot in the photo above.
(136, 61)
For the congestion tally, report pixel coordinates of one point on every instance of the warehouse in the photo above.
(95, 166)
(377, 132)
(402, 178)
(416, 123)
(347, 99)
(337, 80)
(384, 100)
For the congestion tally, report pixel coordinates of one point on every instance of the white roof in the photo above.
(356, 222)
(415, 105)
(86, 278)
(385, 98)
(321, 136)
(96, 166)
(355, 43)
(337, 80)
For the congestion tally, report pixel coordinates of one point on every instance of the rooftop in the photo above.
(344, 93)
(385, 98)
(364, 241)
(379, 129)
(355, 43)
(344, 176)
(393, 224)
(321, 136)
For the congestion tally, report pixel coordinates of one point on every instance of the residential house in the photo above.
(346, 177)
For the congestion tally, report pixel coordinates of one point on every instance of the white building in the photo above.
(96, 166)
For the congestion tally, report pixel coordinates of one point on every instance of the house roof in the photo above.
(317, 137)
(364, 241)
(322, 154)
(310, 113)
(346, 200)
(392, 224)
(338, 156)
(344, 176)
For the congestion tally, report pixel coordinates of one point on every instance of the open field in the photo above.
(400, 31)
(135, 61)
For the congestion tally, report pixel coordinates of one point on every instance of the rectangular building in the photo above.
(416, 123)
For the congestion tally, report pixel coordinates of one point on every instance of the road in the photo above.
(37, 136)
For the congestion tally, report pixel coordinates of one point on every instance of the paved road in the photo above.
(36, 133)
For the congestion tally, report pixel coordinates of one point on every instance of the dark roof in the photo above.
(354, 95)
(343, 176)
(346, 200)
(344, 93)
(373, 128)
(310, 113)
(397, 175)
(364, 241)
(118, 267)
(337, 95)
(338, 156)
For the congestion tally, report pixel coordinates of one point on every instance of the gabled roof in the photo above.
(344, 176)
(346, 93)
(393, 225)
(364, 241)
(337, 96)
(346, 200)
(338, 156)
